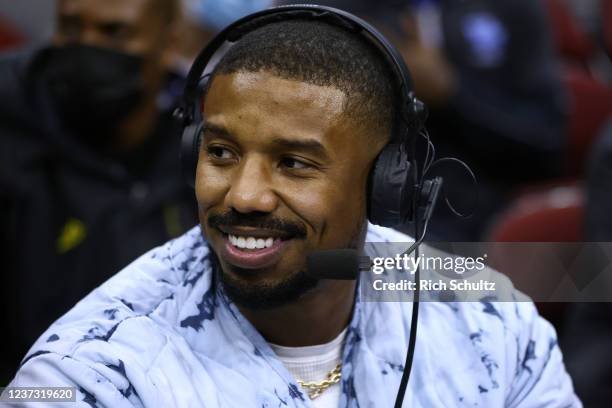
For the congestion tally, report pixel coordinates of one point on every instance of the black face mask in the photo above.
(92, 89)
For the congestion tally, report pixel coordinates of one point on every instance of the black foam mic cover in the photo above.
(342, 264)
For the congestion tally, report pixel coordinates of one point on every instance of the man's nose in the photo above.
(92, 36)
(251, 189)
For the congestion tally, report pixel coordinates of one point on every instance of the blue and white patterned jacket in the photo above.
(161, 334)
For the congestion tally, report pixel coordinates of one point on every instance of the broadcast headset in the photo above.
(398, 192)
(395, 189)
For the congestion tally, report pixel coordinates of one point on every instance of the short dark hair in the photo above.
(322, 54)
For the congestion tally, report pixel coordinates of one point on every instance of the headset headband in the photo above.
(238, 29)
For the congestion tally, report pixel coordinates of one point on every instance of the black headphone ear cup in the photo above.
(391, 187)
(192, 135)
(190, 150)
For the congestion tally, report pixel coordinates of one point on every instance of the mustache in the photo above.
(260, 221)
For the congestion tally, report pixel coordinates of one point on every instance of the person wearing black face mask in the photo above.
(89, 176)
(92, 89)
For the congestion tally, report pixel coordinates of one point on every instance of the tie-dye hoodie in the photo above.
(161, 333)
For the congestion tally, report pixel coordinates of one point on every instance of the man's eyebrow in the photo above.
(309, 145)
(216, 130)
(312, 146)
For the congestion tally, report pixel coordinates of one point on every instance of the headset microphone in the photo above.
(346, 264)
(341, 264)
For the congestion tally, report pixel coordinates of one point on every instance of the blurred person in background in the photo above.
(488, 72)
(588, 333)
(500, 105)
(203, 19)
(89, 169)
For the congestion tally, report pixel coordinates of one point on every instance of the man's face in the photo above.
(282, 171)
(132, 27)
(123, 25)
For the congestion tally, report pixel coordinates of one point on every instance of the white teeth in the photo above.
(250, 242)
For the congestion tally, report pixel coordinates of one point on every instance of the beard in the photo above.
(268, 295)
(262, 295)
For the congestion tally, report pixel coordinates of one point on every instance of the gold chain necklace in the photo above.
(314, 389)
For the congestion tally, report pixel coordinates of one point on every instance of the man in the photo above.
(88, 172)
(295, 114)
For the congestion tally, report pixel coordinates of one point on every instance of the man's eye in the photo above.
(219, 152)
(295, 164)
(116, 31)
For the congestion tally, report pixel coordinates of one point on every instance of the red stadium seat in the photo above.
(590, 107)
(590, 100)
(551, 215)
(571, 41)
(607, 24)
(9, 37)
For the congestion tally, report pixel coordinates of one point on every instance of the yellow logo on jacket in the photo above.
(73, 233)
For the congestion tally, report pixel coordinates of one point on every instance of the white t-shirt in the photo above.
(313, 363)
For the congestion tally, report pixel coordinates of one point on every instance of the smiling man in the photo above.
(295, 114)
(274, 182)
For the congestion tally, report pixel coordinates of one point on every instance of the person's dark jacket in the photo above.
(71, 218)
(507, 118)
(588, 329)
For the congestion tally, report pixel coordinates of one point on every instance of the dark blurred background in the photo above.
(521, 90)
